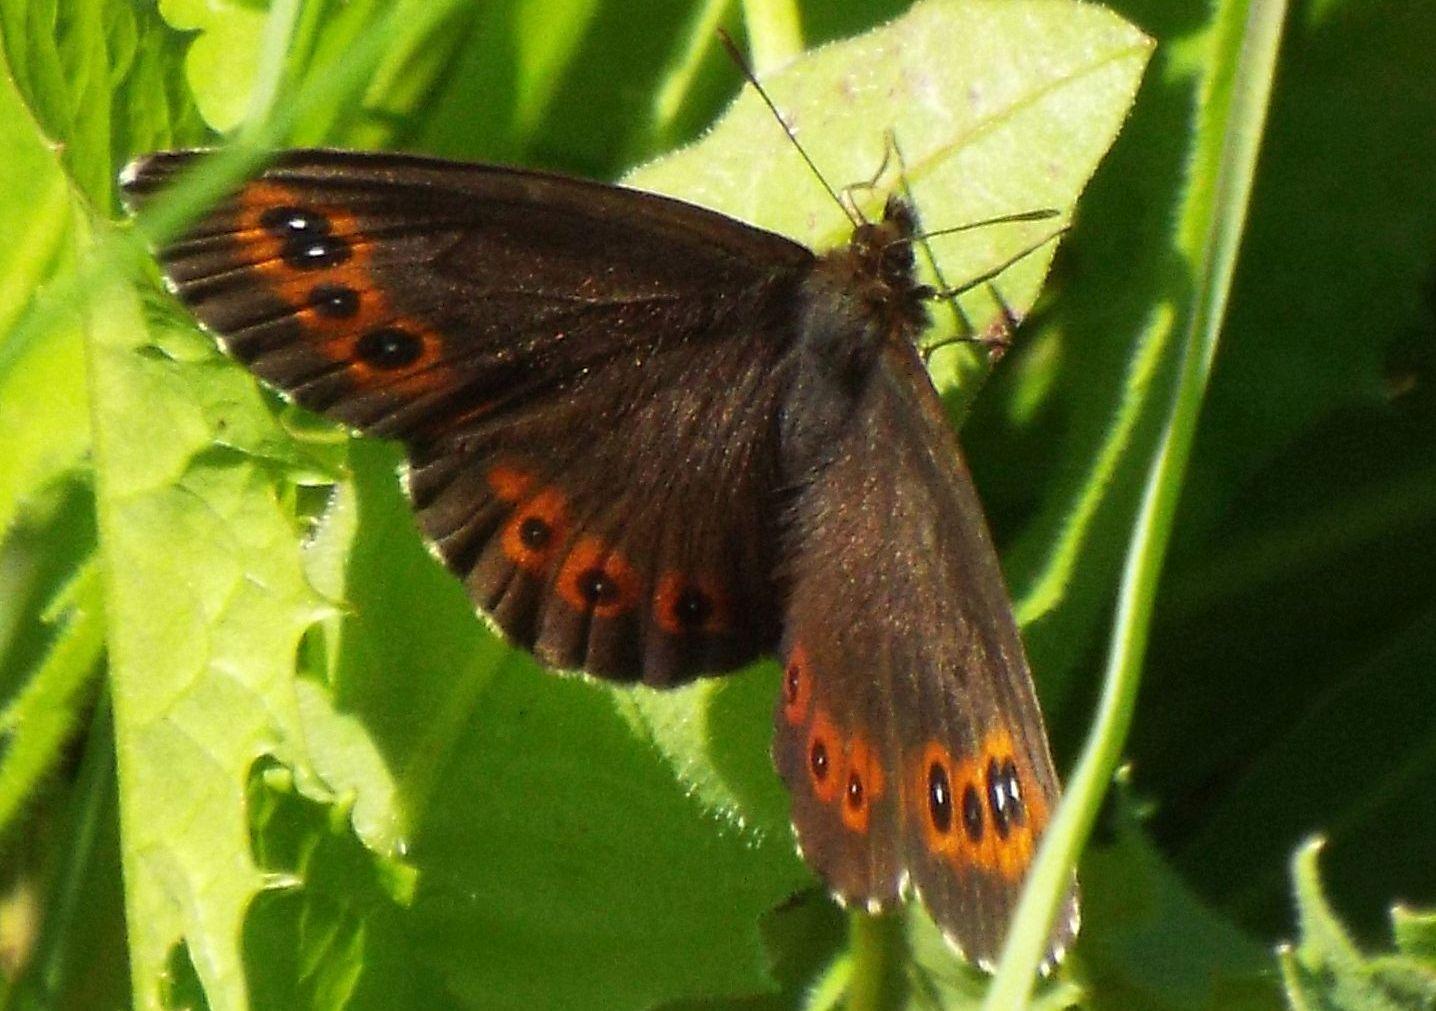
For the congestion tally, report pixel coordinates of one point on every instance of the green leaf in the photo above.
(1415, 933)
(966, 131)
(222, 60)
(36, 724)
(37, 237)
(1302, 562)
(1368, 742)
(203, 692)
(1327, 972)
(1149, 941)
(46, 654)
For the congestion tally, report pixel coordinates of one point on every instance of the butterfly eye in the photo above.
(854, 795)
(536, 529)
(305, 239)
(534, 533)
(863, 786)
(1014, 792)
(692, 607)
(597, 587)
(818, 759)
(684, 606)
(315, 254)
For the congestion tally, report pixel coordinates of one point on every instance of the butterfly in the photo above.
(654, 443)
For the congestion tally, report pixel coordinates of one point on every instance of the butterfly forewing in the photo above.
(533, 340)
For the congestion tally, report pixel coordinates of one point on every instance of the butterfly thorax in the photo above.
(856, 301)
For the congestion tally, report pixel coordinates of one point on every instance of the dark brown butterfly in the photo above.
(655, 442)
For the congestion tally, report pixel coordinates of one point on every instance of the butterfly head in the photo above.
(882, 269)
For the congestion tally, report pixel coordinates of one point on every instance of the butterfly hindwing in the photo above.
(908, 731)
(600, 558)
(533, 340)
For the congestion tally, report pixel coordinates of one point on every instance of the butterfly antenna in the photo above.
(752, 79)
(1045, 214)
(989, 274)
(996, 344)
(999, 343)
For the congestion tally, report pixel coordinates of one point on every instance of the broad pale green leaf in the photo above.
(223, 58)
(994, 108)
(206, 602)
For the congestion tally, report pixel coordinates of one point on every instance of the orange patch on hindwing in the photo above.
(598, 579)
(842, 766)
(318, 261)
(510, 484)
(536, 530)
(863, 783)
(538, 523)
(684, 605)
(797, 686)
(823, 758)
(980, 811)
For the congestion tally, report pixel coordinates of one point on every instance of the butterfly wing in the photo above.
(908, 730)
(585, 378)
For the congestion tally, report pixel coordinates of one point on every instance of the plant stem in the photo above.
(1213, 221)
(878, 946)
(775, 33)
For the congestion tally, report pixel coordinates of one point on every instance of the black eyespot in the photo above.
(972, 813)
(293, 222)
(334, 301)
(939, 798)
(534, 533)
(998, 799)
(855, 792)
(389, 347)
(314, 252)
(692, 607)
(1017, 812)
(596, 586)
(818, 760)
(792, 680)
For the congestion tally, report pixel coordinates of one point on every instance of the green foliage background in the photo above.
(1288, 681)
